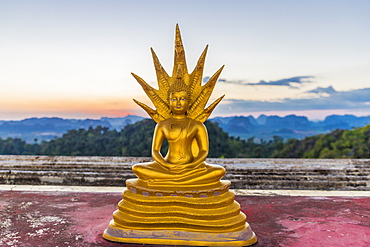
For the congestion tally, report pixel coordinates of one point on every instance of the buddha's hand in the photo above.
(164, 164)
(177, 168)
(186, 169)
(191, 166)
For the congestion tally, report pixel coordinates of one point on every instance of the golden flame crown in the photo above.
(198, 94)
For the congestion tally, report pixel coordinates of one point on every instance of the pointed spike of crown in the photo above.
(200, 64)
(179, 72)
(179, 53)
(158, 66)
(197, 74)
(162, 76)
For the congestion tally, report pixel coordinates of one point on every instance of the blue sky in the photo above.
(73, 59)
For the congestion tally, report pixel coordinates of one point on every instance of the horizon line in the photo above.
(224, 116)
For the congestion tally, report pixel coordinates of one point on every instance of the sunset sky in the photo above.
(73, 59)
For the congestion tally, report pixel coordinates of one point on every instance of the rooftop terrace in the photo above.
(43, 213)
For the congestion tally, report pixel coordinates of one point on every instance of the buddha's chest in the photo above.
(178, 131)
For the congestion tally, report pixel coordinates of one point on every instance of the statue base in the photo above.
(176, 237)
(195, 216)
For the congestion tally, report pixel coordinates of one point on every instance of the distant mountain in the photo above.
(262, 128)
(120, 123)
(291, 126)
(44, 129)
(344, 122)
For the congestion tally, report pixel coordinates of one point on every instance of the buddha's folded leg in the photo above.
(208, 174)
(150, 171)
(202, 175)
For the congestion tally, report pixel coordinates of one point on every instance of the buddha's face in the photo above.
(179, 102)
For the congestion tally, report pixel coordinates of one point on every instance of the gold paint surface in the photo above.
(179, 198)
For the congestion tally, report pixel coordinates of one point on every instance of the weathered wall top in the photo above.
(327, 174)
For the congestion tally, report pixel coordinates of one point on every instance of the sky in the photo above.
(73, 59)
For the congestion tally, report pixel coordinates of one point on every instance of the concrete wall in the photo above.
(324, 174)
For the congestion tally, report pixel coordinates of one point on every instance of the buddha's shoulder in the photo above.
(188, 121)
(195, 122)
(165, 122)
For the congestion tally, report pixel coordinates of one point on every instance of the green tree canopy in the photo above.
(136, 140)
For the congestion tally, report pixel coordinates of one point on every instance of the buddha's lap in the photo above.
(154, 168)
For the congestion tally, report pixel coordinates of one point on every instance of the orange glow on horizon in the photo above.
(99, 107)
(70, 108)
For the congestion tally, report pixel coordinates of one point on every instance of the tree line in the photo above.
(135, 141)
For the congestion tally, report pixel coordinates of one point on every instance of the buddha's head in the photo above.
(178, 97)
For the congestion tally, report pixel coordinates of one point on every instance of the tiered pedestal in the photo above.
(206, 216)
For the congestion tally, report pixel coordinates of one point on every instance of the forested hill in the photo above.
(336, 144)
(135, 140)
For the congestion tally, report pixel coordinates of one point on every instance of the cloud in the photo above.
(284, 82)
(288, 82)
(319, 90)
(332, 99)
(205, 79)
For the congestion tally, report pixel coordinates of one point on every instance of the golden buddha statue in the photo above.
(179, 198)
(179, 166)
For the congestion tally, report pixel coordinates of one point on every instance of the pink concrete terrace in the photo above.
(61, 218)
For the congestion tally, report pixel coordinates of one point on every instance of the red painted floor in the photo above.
(78, 219)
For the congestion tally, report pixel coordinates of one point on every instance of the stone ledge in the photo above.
(95, 189)
(322, 174)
